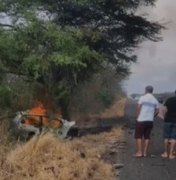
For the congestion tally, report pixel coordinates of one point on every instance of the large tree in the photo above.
(63, 42)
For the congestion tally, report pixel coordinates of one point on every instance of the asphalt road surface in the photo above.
(152, 167)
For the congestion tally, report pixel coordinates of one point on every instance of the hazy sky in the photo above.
(157, 61)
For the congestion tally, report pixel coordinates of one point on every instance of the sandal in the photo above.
(164, 155)
(172, 156)
(138, 155)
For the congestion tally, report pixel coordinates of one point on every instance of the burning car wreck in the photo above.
(38, 120)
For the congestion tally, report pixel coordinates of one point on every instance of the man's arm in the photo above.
(164, 111)
(156, 109)
(165, 107)
(139, 106)
(156, 112)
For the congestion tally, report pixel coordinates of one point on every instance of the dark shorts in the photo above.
(143, 129)
(169, 130)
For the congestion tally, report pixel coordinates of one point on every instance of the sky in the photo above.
(156, 64)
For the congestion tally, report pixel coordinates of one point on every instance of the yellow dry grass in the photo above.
(116, 110)
(49, 158)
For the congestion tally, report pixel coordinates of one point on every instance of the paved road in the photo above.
(149, 168)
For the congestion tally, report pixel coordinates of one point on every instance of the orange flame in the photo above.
(41, 113)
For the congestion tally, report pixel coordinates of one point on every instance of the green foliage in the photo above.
(106, 97)
(97, 94)
(2, 71)
(5, 96)
(114, 20)
(64, 43)
(56, 57)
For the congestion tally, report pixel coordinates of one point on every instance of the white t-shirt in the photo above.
(148, 105)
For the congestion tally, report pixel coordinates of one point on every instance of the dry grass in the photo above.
(48, 157)
(4, 140)
(116, 110)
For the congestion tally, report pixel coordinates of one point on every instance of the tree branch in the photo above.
(7, 25)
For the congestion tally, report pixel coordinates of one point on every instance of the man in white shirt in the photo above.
(148, 108)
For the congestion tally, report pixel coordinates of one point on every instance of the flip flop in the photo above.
(137, 155)
(172, 157)
(164, 155)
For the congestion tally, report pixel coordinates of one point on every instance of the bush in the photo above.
(96, 95)
(106, 97)
(5, 96)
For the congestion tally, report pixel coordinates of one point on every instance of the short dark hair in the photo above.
(149, 89)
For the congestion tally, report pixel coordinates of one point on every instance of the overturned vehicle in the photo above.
(37, 120)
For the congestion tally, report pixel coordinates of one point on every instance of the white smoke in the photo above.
(157, 61)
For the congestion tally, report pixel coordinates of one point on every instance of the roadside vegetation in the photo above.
(47, 157)
(63, 44)
(74, 54)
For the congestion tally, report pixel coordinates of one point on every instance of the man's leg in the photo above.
(166, 133)
(172, 141)
(172, 146)
(165, 154)
(147, 131)
(138, 139)
(146, 146)
(138, 148)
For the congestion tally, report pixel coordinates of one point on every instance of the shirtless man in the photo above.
(169, 128)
